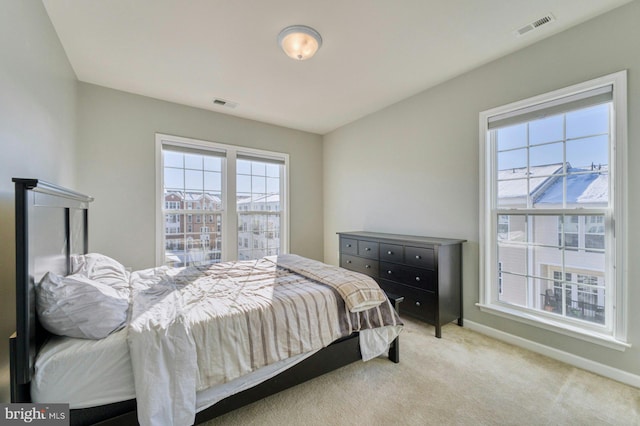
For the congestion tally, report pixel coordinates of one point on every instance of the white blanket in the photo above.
(193, 328)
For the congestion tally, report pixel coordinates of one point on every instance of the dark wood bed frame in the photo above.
(52, 225)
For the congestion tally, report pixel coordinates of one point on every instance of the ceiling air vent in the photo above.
(224, 103)
(535, 24)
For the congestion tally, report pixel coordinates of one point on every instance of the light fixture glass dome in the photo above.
(299, 41)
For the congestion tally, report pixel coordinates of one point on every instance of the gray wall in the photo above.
(413, 167)
(37, 131)
(116, 165)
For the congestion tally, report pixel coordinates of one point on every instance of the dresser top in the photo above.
(402, 238)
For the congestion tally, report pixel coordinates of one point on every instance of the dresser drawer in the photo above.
(348, 246)
(358, 264)
(423, 306)
(368, 249)
(415, 277)
(391, 252)
(418, 303)
(420, 257)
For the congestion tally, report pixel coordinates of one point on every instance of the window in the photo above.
(552, 181)
(259, 188)
(226, 188)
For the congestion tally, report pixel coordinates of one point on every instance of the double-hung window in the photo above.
(219, 202)
(259, 206)
(552, 211)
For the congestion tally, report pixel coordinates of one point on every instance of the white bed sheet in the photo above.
(83, 372)
(63, 362)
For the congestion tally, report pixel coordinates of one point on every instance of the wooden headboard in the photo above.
(51, 225)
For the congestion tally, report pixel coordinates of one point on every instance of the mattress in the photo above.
(63, 362)
(62, 365)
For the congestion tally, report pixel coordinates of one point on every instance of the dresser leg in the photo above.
(438, 332)
(460, 321)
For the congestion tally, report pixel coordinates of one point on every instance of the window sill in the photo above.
(555, 326)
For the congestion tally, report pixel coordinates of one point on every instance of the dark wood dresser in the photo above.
(427, 272)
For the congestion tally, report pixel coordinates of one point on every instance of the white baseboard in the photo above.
(575, 360)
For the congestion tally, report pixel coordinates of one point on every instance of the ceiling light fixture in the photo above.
(299, 41)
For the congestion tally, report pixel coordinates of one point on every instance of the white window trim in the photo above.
(229, 207)
(616, 338)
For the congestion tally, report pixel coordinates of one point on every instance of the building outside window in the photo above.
(552, 184)
(195, 174)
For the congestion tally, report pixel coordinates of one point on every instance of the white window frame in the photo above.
(615, 334)
(229, 229)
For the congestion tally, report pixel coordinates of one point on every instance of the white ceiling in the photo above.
(374, 52)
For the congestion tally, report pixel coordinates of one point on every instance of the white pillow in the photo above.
(77, 306)
(101, 268)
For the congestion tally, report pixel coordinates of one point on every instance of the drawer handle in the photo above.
(348, 261)
(389, 272)
(417, 278)
(367, 249)
(367, 266)
(389, 252)
(348, 245)
(417, 303)
(418, 256)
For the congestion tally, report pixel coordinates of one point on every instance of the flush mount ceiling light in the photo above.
(299, 41)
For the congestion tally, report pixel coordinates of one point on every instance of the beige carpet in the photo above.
(465, 378)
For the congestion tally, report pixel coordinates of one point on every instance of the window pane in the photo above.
(243, 184)
(512, 159)
(543, 230)
(273, 185)
(513, 193)
(194, 180)
(258, 184)
(568, 229)
(586, 259)
(173, 159)
(273, 170)
(546, 130)
(193, 161)
(213, 164)
(513, 258)
(212, 181)
(544, 259)
(588, 121)
(174, 178)
(594, 232)
(258, 169)
(514, 289)
(512, 228)
(546, 154)
(511, 137)
(588, 188)
(589, 152)
(243, 167)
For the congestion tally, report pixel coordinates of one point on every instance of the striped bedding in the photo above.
(193, 328)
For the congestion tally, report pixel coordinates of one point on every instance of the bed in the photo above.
(52, 232)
